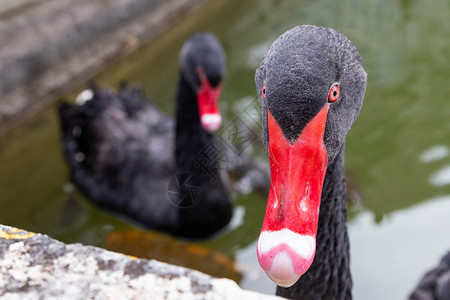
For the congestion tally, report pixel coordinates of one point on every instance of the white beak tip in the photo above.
(285, 255)
(282, 271)
(211, 122)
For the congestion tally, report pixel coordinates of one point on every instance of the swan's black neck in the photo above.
(191, 138)
(329, 275)
(196, 155)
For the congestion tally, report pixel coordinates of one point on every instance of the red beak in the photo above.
(287, 242)
(208, 103)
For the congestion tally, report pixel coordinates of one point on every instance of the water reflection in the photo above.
(434, 153)
(389, 259)
(148, 244)
(441, 177)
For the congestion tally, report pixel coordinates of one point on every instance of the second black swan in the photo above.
(435, 284)
(128, 157)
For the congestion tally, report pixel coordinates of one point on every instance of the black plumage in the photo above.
(130, 158)
(435, 284)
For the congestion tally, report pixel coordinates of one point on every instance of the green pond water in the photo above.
(397, 154)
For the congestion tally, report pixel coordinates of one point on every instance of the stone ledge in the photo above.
(50, 47)
(34, 266)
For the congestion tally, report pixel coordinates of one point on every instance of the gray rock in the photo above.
(34, 266)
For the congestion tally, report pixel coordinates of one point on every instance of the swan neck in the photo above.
(191, 139)
(196, 159)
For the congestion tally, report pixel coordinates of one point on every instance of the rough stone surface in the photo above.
(49, 47)
(34, 266)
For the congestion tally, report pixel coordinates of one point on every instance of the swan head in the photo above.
(202, 60)
(310, 87)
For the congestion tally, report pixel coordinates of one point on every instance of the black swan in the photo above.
(130, 158)
(310, 85)
(435, 284)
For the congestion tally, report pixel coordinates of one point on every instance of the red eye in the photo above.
(263, 91)
(333, 94)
